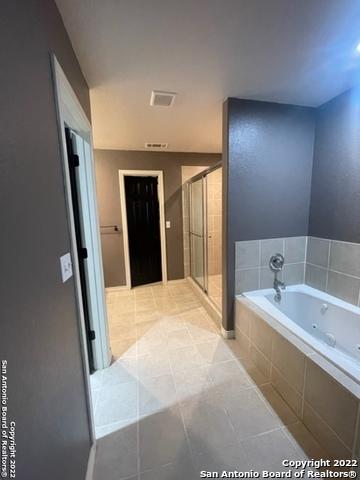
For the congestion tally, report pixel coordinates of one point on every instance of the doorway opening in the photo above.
(143, 224)
(143, 220)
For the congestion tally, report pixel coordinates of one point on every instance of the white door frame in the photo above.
(143, 173)
(71, 114)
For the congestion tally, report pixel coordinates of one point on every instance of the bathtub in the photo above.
(329, 326)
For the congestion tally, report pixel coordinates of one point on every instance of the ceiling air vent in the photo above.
(159, 146)
(162, 99)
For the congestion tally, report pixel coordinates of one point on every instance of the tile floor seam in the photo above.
(265, 402)
(181, 416)
(297, 446)
(261, 434)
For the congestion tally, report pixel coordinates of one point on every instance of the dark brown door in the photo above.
(143, 219)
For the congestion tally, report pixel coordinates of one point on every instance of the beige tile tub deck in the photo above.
(325, 400)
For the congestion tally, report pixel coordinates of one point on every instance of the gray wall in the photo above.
(108, 163)
(335, 196)
(268, 150)
(39, 334)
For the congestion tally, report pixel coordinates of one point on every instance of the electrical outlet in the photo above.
(66, 267)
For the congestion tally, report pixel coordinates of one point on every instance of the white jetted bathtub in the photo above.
(326, 324)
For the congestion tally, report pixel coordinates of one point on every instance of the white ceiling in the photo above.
(292, 51)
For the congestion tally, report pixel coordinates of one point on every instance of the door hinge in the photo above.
(75, 160)
(84, 253)
(92, 335)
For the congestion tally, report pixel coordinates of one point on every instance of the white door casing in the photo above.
(161, 197)
(71, 114)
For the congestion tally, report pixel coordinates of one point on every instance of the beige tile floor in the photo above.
(179, 399)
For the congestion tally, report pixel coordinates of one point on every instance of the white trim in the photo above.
(70, 112)
(91, 463)
(177, 281)
(143, 173)
(119, 288)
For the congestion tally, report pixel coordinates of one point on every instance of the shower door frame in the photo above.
(201, 176)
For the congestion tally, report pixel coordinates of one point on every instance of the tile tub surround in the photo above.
(326, 408)
(252, 257)
(200, 402)
(214, 222)
(334, 267)
(331, 266)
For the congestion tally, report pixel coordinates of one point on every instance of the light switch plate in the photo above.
(66, 267)
(168, 224)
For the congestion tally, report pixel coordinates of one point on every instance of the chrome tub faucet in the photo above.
(276, 264)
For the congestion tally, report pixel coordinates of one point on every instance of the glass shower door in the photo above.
(204, 207)
(197, 233)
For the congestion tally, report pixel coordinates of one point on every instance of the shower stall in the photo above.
(205, 232)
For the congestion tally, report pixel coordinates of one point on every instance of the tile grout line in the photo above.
(328, 426)
(303, 389)
(181, 413)
(286, 263)
(328, 267)
(335, 271)
(284, 379)
(356, 436)
(271, 357)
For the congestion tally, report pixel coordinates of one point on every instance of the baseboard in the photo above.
(91, 462)
(174, 282)
(121, 288)
(117, 289)
(228, 334)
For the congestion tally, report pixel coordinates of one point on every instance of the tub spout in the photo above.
(278, 286)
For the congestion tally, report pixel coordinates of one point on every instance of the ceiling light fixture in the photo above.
(162, 99)
(159, 146)
(358, 47)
